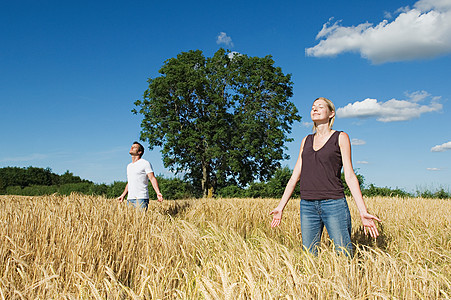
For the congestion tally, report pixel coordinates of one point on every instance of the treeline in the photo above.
(33, 181)
(31, 176)
(275, 187)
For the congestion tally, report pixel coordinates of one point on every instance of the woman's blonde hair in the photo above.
(331, 108)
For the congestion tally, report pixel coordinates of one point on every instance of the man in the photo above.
(139, 172)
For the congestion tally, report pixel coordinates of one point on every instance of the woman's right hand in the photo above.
(277, 217)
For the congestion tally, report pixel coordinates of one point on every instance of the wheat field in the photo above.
(86, 247)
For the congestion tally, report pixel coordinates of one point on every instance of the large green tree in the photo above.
(220, 120)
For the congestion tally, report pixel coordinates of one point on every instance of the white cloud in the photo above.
(441, 5)
(417, 33)
(232, 54)
(307, 124)
(442, 147)
(433, 169)
(391, 110)
(31, 157)
(388, 15)
(357, 142)
(223, 38)
(362, 162)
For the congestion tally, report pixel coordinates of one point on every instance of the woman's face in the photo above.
(320, 111)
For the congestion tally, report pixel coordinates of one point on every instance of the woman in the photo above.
(323, 203)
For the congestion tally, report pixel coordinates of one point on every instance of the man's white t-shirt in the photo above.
(138, 180)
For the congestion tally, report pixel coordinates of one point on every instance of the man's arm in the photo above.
(154, 182)
(121, 197)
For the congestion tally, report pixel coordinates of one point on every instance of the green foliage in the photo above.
(373, 190)
(221, 120)
(14, 176)
(115, 189)
(231, 191)
(87, 188)
(256, 190)
(32, 176)
(173, 188)
(360, 178)
(69, 177)
(176, 188)
(273, 188)
(37, 190)
(276, 185)
(440, 194)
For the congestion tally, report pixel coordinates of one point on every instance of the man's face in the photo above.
(134, 150)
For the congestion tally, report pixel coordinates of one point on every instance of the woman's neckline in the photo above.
(322, 146)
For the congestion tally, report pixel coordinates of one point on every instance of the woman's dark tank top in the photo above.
(321, 170)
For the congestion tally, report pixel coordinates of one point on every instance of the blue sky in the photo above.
(70, 72)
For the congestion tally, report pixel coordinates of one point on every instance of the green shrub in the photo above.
(115, 189)
(17, 181)
(172, 188)
(231, 191)
(373, 190)
(428, 193)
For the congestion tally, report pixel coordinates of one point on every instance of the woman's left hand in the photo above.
(368, 224)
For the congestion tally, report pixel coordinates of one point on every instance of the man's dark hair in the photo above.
(141, 148)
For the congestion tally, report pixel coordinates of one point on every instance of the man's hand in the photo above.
(120, 198)
(159, 197)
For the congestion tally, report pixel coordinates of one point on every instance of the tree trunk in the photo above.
(207, 184)
(205, 181)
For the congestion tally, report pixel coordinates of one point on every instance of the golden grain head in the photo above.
(80, 247)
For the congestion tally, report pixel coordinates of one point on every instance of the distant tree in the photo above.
(273, 188)
(442, 194)
(360, 178)
(373, 190)
(276, 185)
(38, 176)
(256, 190)
(439, 193)
(69, 177)
(173, 188)
(221, 120)
(12, 176)
(115, 189)
(231, 191)
(20, 178)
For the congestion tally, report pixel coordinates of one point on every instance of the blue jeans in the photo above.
(332, 213)
(138, 203)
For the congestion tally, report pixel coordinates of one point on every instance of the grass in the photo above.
(86, 247)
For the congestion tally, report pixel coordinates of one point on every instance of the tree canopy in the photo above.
(220, 120)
